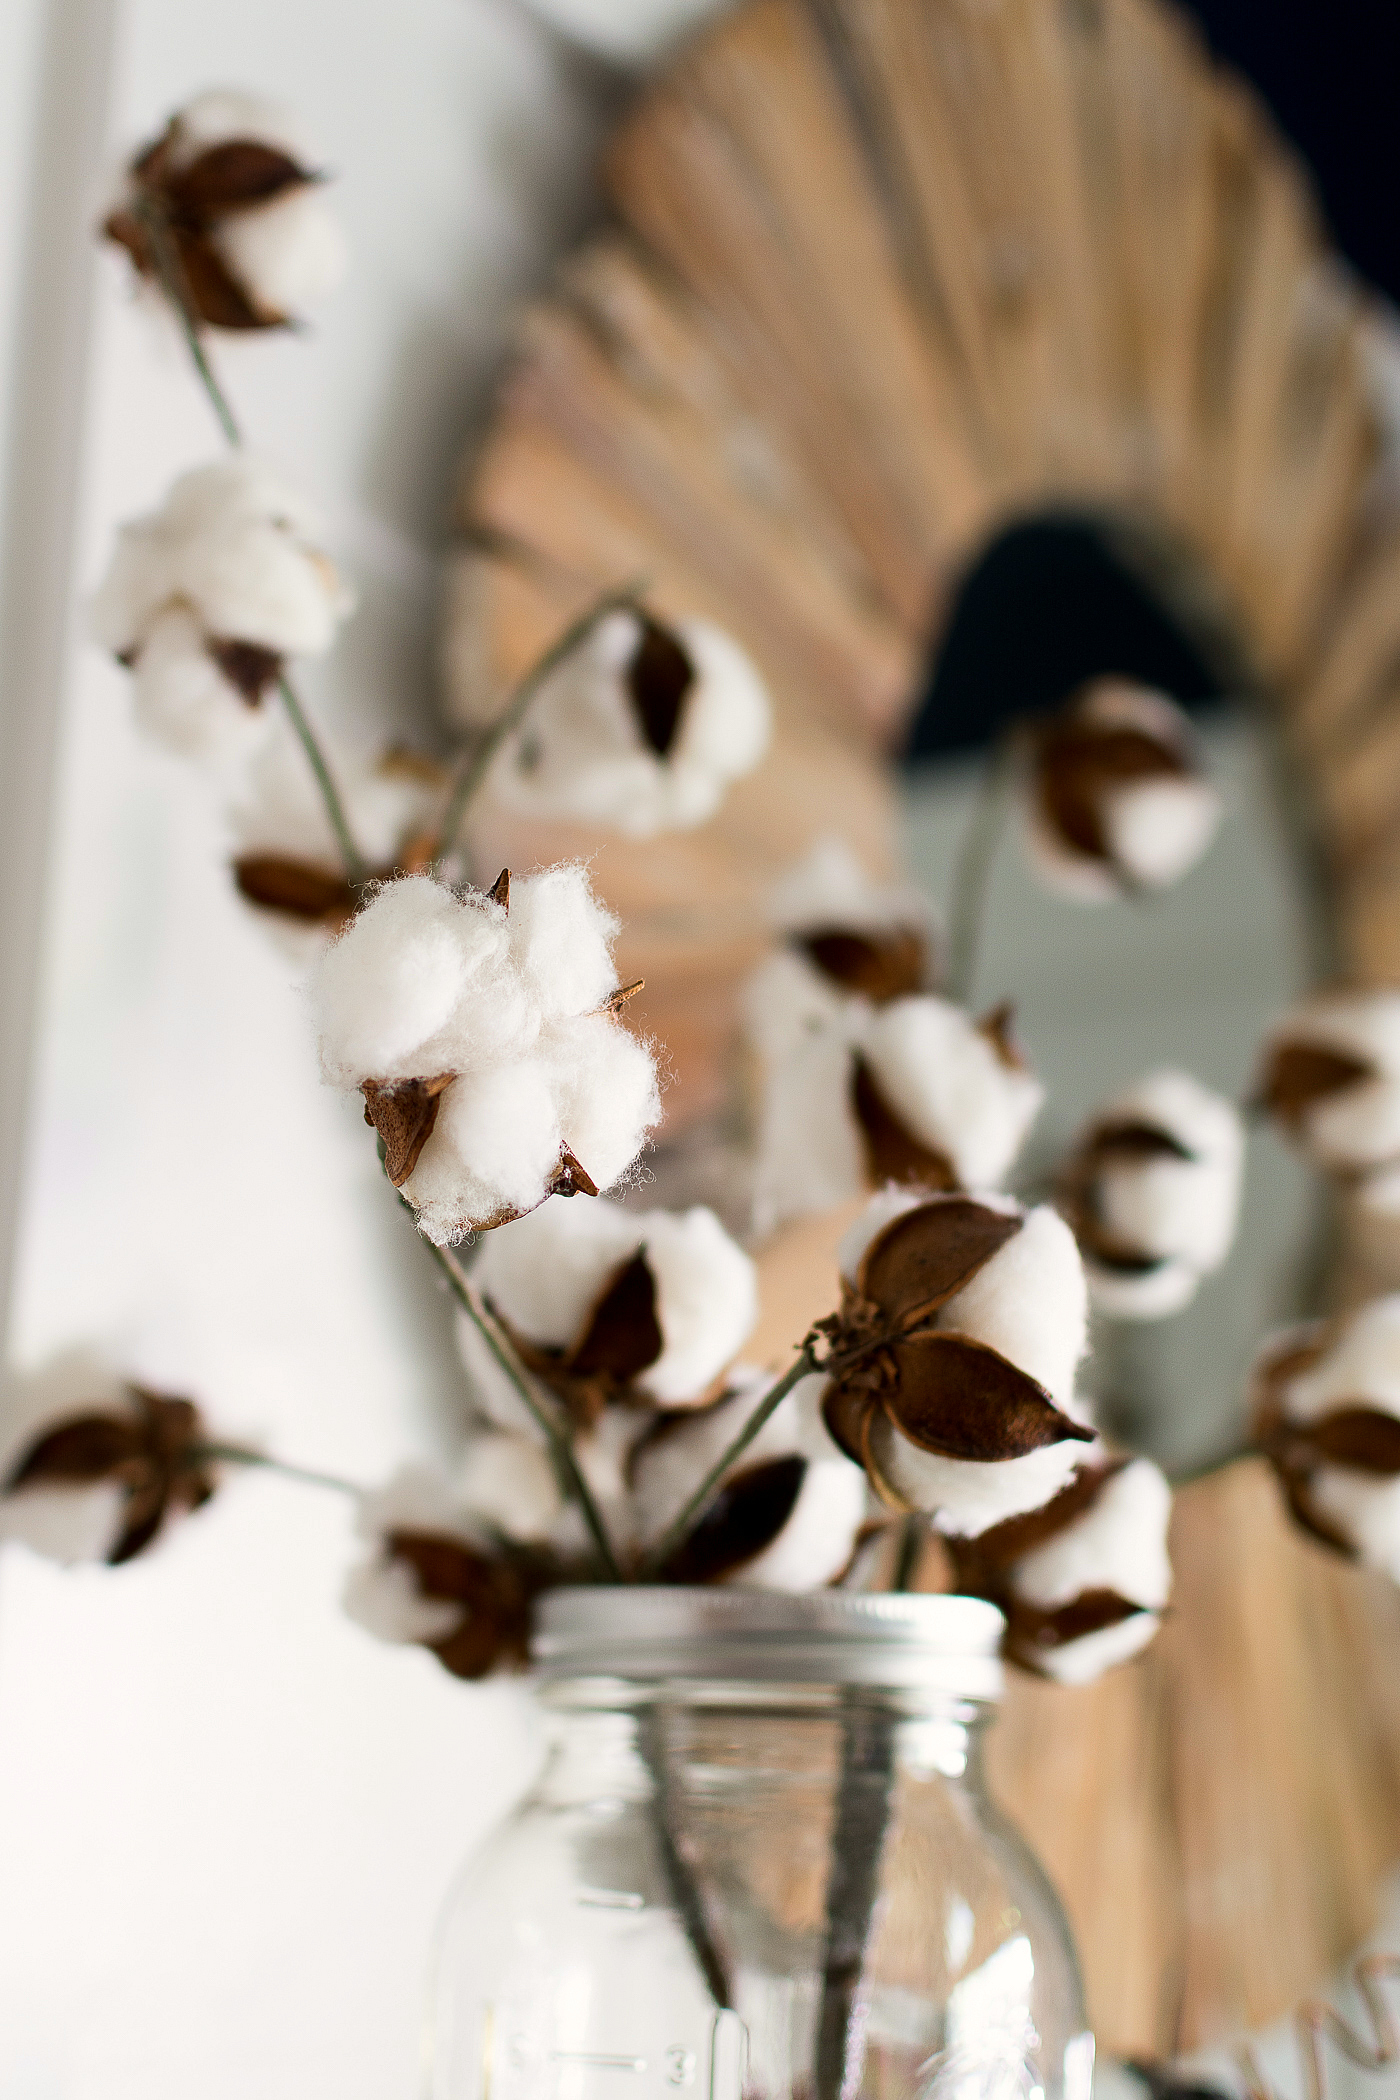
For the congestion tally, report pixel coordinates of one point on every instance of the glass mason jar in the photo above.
(760, 1864)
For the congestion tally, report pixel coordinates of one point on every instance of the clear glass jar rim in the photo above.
(928, 1643)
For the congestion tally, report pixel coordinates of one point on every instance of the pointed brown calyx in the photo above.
(1080, 763)
(190, 201)
(299, 889)
(495, 1594)
(249, 668)
(925, 1256)
(499, 892)
(615, 1001)
(960, 1399)
(741, 1521)
(570, 1178)
(403, 1112)
(149, 1453)
(892, 1153)
(1365, 1438)
(1298, 1075)
(659, 678)
(878, 966)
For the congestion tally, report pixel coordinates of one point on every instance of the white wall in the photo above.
(227, 1817)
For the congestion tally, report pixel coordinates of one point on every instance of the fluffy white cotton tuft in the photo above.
(604, 1082)
(287, 254)
(1179, 1212)
(965, 1497)
(561, 940)
(810, 1156)
(386, 992)
(229, 558)
(1158, 829)
(1358, 1125)
(508, 1481)
(582, 750)
(495, 1143)
(277, 807)
(1118, 1544)
(706, 1301)
(1029, 1302)
(1365, 1508)
(381, 1594)
(950, 1087)
(1088, 1658)
(383, 1598)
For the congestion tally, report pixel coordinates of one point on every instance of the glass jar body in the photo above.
(789, 1894)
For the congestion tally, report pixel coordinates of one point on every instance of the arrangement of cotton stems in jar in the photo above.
(1152, 1191)
(864, 1075)
(1329, 1077)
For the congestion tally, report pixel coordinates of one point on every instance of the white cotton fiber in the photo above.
(1358, 1125)
(786, 1003)
(1119, 1544)
(949, 1086)
(830, 888)
(382, 1596)
(74, 1524)
(706, 1301)
(606, 1089)
(818, 1538)
(546, 1272)
(1151, 1294)
(670, 1468)
(493, 1148)
(1365, 1508)
(1361, 1369)
(726, 721)
(288, 253)
(967, 1496)
(561, 940)
(394, 979)
(811, 1155)
(1159, 829)
(182, 698)
(1168, 1206)
(1029, 1302)
(509, 1482)
(217, 114)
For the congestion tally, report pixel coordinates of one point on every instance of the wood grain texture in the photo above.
(886, 275)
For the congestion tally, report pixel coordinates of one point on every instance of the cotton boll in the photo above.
(965, 1497)
(289, 253)
(1029, 1302)
(727, 719)
(493, 1148)
(393, 980)
(1150, 1294)
(545, 1272)
(706, 1302)
(70, 1524)
(786, 1003)
(670, 1466)
(884, 1207)
(1362, 1365)
(382, 1593)
(218, 114)
(279, 809)
(950, 1087)
(509, 1482)
(1331, 1076)
(829, 887)
(561, 941)
(606, 1091)
(182, 699)
(1159, 829)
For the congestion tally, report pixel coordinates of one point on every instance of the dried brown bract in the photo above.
(150, 1450)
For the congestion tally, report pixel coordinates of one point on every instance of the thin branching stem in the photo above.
(175, 285)
(559, 1444)
(678, 1530)
(243, 1455)
(977, 850)
(477, 763)
(350, 854)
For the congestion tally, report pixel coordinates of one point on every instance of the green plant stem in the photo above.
(911, 1539)
(559, 1444)
(678, 1529)
(977, 850)
(174, 284)
(241, 1455)
(476, 765)
(350, 854)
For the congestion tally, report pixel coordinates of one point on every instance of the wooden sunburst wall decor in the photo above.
(884, 277)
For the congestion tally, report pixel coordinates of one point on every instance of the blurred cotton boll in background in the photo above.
(1118, 796)
(205, 600)
(1329, 1076)
(237, 209)
(1153, 1193)
(641, 729)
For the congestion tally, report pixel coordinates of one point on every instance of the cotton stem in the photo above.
(241, 1455)
(559, 1444)
(477, 764)
(350, 854)
(175, 285)
(977, 850)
